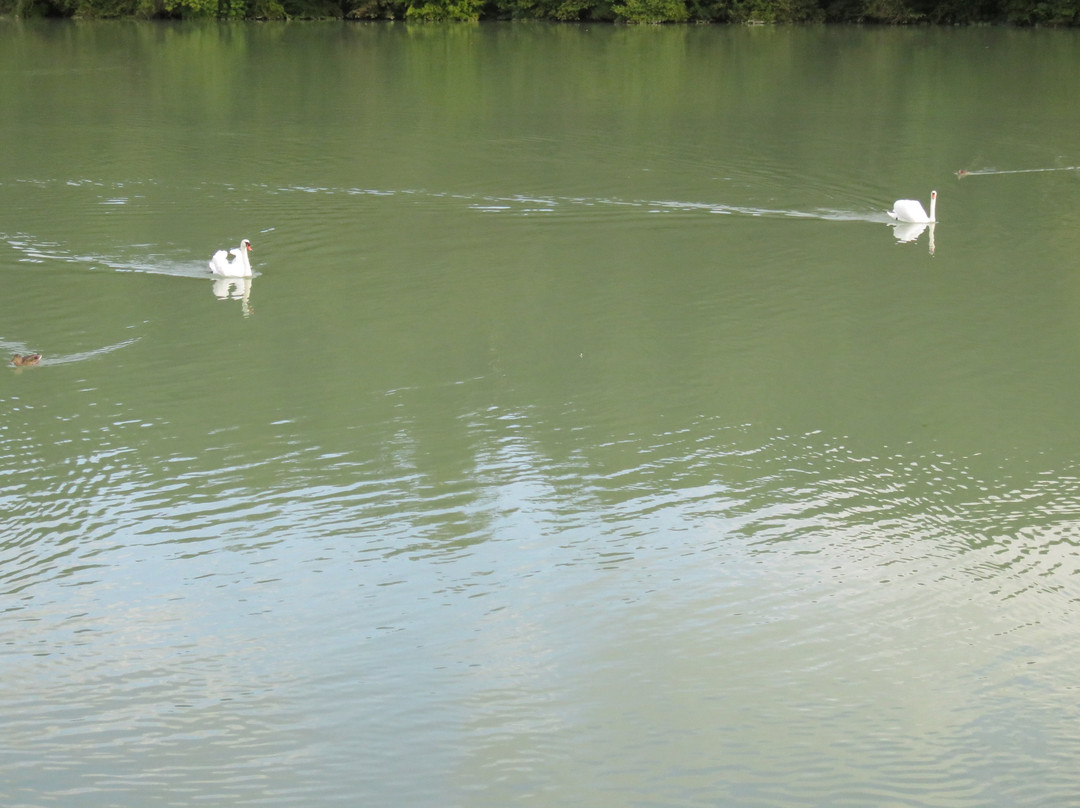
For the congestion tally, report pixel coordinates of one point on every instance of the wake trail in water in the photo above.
(988, 171)
(146, 259)
(530, 204)
(35, 251)
(116, 194)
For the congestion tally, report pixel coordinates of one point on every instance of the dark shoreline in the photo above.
(1013, 13)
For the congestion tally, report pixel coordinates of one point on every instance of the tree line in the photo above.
(892, 12)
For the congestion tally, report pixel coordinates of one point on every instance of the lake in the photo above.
(587, 434)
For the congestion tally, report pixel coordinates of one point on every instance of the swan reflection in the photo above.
(235, 289)
(910, 231)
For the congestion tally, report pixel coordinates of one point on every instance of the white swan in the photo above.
(911, 210)
(237, 267)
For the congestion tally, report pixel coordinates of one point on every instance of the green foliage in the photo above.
(651, 11)
(709, 10)
(28, 8)
(443, 10)
(892, 12)
(268, 10)
(309, 9)
(1050, 12)
(572, 10)
(889, 12)
(772, 11)
(560, 10)
(962, 12)
(192, 8)
(375, 9)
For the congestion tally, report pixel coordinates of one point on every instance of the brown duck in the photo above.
(20, 361)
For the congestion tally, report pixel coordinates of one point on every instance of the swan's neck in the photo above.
(933, 206)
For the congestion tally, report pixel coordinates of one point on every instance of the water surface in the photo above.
(587, 434)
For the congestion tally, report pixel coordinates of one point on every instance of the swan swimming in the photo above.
(911, 210)
(237, 267)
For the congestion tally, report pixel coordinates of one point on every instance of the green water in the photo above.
(587, 433)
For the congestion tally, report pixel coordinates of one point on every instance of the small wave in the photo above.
(527, 203)
(7, 347)
(988, 171)
(35, 251)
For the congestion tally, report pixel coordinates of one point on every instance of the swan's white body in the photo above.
(911, 210)
(236, 267)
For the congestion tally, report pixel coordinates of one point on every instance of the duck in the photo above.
(20, 361)
(236, 267)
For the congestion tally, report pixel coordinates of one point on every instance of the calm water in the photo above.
(587, 435)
